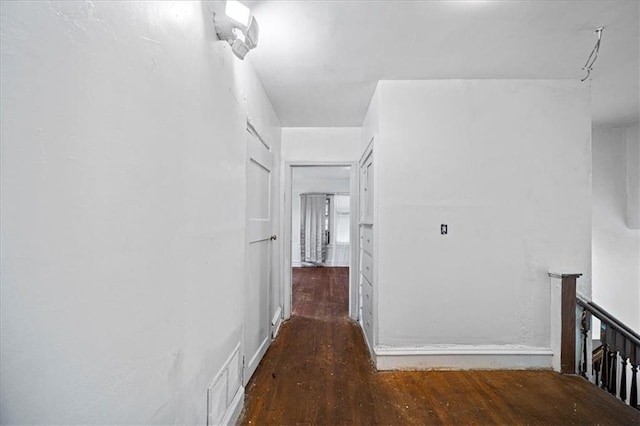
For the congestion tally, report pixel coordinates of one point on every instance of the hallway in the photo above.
(318, 372)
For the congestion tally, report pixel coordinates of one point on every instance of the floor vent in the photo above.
(222, 392)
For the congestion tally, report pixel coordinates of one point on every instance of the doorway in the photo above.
(320, 236)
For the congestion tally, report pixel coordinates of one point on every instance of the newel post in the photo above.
(567, 325)
(568, 333)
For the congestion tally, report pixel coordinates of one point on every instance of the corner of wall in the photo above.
(633, 177)
(370, 124)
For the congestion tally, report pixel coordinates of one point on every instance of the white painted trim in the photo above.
(366, 340)
(463, 357)
(286, 242)
(335, 265)
(463, 350)
(287, 220)
(555, 317)
(235, 409)
(251, 366)
(282, 234)
(276, 321)
(251, 128)
(354, 236)
(367, 148)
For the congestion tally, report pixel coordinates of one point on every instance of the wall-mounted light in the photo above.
(238, 27)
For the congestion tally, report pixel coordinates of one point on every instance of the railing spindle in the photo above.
(597, 364)
(584, 328)
(616, 339)
(605, 367)
(623, 380)
(612, 373)
(633, 400)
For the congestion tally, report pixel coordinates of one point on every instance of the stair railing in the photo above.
(613, 361)
(619, 347)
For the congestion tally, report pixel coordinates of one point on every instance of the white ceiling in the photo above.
(319, 61)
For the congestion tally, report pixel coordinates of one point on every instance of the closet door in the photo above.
(257, 292)
(366, 277)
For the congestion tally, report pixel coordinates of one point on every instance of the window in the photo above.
(342, 228)
(327, 219)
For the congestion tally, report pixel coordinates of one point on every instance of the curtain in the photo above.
(313, 247)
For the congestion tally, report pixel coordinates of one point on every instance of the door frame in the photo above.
(354, 215)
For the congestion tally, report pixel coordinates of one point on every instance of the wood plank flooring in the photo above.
(318, 372)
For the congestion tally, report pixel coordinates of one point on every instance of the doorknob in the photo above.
(274, 237)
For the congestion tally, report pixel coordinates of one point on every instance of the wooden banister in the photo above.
(618, 355)
(604, 316)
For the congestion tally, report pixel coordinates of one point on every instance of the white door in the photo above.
(257, 331)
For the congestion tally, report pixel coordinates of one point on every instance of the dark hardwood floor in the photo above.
(318, 372)
(320, 293)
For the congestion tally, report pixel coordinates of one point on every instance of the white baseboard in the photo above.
(276, 322)
(463, 357)
(337, 264)
(235, 408)
(366, 340)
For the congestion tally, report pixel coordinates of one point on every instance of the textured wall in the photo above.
(506, 164)
(616, 247)
(123, 209)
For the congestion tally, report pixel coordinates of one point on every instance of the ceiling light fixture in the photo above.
(588, 66)
(238, 27)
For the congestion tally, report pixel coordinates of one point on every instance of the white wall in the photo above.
(123, 209)
(313, 179)
(633, 176)
(506, 164)
(371, 124)
(316, 144)
(616, 247)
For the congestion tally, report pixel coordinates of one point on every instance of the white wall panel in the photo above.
(616, 247)
(506, 165)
